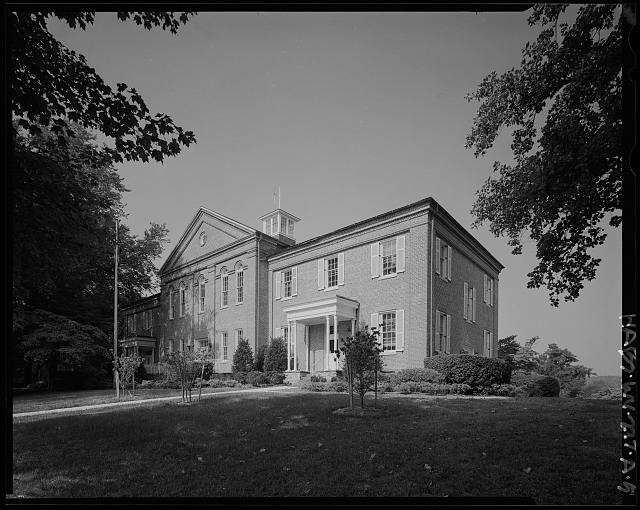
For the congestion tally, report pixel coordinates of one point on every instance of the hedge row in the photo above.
(476, 371)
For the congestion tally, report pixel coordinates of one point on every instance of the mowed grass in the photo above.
(45, 401)
(556, 451)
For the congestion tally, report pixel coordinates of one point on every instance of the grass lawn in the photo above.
(557, 451)
(24, 403)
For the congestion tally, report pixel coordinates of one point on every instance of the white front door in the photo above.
(333, 359)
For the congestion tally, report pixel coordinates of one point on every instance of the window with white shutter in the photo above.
(294, 281)
(332, 272)
(374, 321)
(465, 312)
(443, 259)
(375, 260)
(340, 268)
(438, 261)
(399, 330)
(320, 274)
(400, 240)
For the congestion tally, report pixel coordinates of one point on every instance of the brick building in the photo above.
(415, 272)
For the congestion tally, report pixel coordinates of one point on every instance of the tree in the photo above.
(526, 359)
(127, 367)
(187, 366)
(559, 363)
(566, 181)
(243, 357)
(52, 85)
(49, 341)
(260, 356)
(362, 362)
(508, 347)
(276, 358)
(65, 202)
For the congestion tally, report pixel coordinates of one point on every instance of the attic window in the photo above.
(203, 238)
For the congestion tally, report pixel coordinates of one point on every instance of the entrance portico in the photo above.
(322, 318)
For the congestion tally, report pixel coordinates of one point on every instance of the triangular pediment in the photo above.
(218, 231)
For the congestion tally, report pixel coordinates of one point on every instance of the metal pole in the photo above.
(115, 321)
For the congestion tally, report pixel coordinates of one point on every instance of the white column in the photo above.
(289, 348)
(326, 346)
(294, 339)
(335, 333)
(306, 338)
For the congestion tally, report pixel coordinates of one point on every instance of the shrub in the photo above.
(260, 354)
(337, 385)
(524, 379)
(275, 359)
(317, 378)
(241, 377)
(475, 371)
(500, 390)
(546, 386)
(243, 357)
(416, 375)
(256, 378)
(275, 377)
(433, 388)
(313, 386)
(572, 388)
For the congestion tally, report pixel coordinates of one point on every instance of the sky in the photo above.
(351, 115)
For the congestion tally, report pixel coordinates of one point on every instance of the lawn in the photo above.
(24, 403)
(556, 451)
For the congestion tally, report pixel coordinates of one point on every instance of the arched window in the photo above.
(224, 287)
(239, 283)
(183, 299)
(201, 293)
(172, 304)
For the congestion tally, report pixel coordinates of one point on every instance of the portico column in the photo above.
(294, 339)
(289, 348)
(326, 346)
(306, 339)
(335, 332)
(353, 327)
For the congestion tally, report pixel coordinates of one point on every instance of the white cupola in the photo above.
(280, 224)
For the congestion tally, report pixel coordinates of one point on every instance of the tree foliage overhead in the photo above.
(51, 85)
(65, 201)
(566, 177)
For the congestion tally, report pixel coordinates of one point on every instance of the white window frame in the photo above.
(131, 323)
(443, 331)
(377, 257)
(240, 287)
(327, 270)
(284, 283)
(224, 337)
(224, 290)
(469, 308)
(488, 343)
(172, 305)
(395, 259)
(489, 285)
(239, 336)
(201, 295)
(147, 319)
(443, 270)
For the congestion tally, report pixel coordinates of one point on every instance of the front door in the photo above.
(333, 359)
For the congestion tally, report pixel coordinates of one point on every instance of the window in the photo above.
(131, 323)
(283, 225)
(239, 336)
(488, 343)
(240, 287)
(443, 259)
(443, 333)
(147, 320)
(225, 346)
(287, 283)
(172, 306)
(332, 272)
(225, 290)
(387, 257)
(469, 303)
(201, 294)
(203, 343)
(290, 230)
(388, 330)
(183, 300)
(488, 290)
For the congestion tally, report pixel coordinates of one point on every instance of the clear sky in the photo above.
(352, 115)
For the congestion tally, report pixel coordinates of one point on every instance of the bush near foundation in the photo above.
(476, 371)
(415, 375)
(434, 388)
(546, 387)
(275, 359)
(275, 377)
(257, 378)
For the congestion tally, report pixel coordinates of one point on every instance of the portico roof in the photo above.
(318, 310)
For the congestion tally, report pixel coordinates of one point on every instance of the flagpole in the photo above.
(115, 321)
